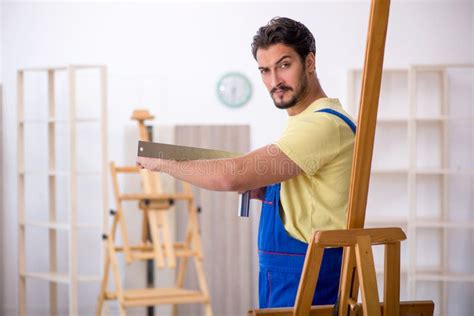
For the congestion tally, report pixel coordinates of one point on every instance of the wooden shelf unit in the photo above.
(52, 225)
(416, 112)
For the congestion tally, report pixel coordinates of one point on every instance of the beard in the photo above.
(297, 96)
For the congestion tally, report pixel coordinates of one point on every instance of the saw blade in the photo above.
(175, 152)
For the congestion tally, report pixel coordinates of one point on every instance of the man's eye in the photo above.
(284, 65)
(263, 71)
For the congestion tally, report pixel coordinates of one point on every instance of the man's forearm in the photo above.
(259, 168)
(216, 174)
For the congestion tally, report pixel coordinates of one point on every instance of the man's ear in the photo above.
(310, 62)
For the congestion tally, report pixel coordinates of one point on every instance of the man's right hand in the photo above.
(258, 194)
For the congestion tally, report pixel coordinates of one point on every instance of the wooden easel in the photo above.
(359, 243)
(358, 264)
(155, 205)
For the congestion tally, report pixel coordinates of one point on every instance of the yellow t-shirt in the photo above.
(321, 144)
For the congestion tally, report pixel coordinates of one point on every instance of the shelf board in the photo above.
(46, 224)
(389, 120)
(40, 69)
(58, 121)
(88, 226)
(386, 221)
(89, 278)
(446, 277)
(389, 171)
(68, 173)
(435, 119)
(434, 223)
(88, 119)
(77, 120)
(385, 70)
(403, 270)
(440, 67)
(59, 173)
(60, 277)
(87, 66)
(419, 222)
(443, 118)
(394, 120)
(443, 171)
(432, 119)
(32, 121)
(59, 225)
(61, 68)
(48, 276)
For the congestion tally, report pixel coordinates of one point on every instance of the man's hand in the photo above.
(152, 164)
(258, 194)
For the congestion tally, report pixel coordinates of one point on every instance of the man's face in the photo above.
(283, 74)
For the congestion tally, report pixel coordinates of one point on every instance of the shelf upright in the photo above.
(21, 195)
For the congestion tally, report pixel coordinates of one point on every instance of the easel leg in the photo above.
(123, 232)
(116, 276)
(183, 263)
(367, 277)
(167, 239)
(349, 283)
(392, 279)
(103, 286)
(123, 312)
(145, 224)
(106, 271)
(154, 223)
(208, 309)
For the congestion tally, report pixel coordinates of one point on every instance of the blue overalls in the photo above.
(281, 256)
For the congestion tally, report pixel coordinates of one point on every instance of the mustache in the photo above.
(280, 88)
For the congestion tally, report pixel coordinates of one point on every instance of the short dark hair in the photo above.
(286, 31)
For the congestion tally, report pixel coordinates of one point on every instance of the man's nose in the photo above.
(275, 80)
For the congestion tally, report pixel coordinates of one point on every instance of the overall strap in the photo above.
(341, 116)
(353, 128)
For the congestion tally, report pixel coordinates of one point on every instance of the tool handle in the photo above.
(244, 204)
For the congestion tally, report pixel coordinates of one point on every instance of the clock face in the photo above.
(234, 89)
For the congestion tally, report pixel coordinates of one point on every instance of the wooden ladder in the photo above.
(358, 264)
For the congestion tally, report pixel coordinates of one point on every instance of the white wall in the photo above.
(168, 57)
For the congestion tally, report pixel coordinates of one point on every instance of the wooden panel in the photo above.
(226, 238)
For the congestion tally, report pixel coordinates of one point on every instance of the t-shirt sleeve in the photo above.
(310, 143)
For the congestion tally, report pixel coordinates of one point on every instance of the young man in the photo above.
(302, 178)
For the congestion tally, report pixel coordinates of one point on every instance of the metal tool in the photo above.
(244, 204)
(180, 153)
(175, 152)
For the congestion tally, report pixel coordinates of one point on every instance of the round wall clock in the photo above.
(234, 89)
